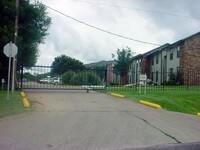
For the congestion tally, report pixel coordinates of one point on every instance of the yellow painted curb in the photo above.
(150, 104)
(26, 103)
(198, 114)
(117, 95)
(23, 95)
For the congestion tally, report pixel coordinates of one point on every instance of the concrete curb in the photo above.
(198, 114)
(150, 104)
(117, 95)
(25, 100)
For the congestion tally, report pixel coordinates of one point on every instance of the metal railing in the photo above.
(41, 77)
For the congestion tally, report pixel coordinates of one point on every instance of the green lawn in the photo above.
(186, 101)
(12, 106)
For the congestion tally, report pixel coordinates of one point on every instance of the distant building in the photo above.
(111, 76)
(181, 58)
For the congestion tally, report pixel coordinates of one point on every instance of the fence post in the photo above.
(188, 79)
(106, 77)
(21, 75)
(163, 85)
(136, 80)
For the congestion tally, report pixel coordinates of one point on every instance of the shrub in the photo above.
(66, 77)
(81, 78)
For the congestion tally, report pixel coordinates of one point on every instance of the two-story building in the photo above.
(181, 58)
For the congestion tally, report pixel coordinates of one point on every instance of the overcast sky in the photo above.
(124, 17)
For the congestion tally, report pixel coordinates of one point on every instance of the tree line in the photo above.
(75, 72)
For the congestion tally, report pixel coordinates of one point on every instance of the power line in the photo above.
(138, 9)
(100, 29)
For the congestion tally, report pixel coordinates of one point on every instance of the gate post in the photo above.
(21, 75)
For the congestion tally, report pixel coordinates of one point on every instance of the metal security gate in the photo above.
(40, 77)
(104, 79)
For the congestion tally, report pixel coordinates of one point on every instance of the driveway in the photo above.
(66, 120)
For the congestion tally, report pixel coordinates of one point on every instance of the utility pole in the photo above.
(15, 40)
(16, 20)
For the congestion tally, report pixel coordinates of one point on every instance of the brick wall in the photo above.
(145, 66)
(190, 60)
(109, 73)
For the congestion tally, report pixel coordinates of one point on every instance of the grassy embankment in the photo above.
(12, 106)
(179, 100)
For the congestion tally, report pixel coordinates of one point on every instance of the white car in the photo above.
(46, 80)
(57, 81)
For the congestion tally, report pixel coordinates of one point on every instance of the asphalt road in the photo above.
(76, 120)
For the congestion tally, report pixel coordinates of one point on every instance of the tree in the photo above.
(64, 63)
(40, 76)
(100, 70)
(32, 28)
(33, 25)
(29, 76)
(7, 17)
(67, 76)
(122, 63)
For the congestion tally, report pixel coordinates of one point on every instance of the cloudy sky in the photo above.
(154, 21)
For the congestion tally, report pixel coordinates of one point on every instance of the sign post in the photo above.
(143, 78)
(2, 83)
(10, 50)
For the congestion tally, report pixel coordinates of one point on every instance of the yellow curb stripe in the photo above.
(150, 104)
(23, 95)
(117, 95)
(26, 103)
(198, 114)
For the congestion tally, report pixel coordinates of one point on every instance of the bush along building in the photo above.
(174, 64)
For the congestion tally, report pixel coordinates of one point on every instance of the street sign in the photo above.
(10, 50)
(143, 77)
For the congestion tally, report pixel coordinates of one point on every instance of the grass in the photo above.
(185, 101)
(12, 106)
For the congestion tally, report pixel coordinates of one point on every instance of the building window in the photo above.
(157, 59)
(156, 76)
(171, 70)
(178, 48)
(152, 76)
(152, 62)
(171, 56)
(178, 69)
(178, 54)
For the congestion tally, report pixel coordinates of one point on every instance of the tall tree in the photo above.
(33, 25)
(7, 18)
(64, 63)
(32, 28)
(122, 63)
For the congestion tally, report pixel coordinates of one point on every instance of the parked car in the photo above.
(46, 80)
(57, 81)
(42, 80)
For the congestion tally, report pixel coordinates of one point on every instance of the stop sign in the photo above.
(10, 50)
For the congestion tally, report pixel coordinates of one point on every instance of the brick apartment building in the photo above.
(111, 77)
(181, 58)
